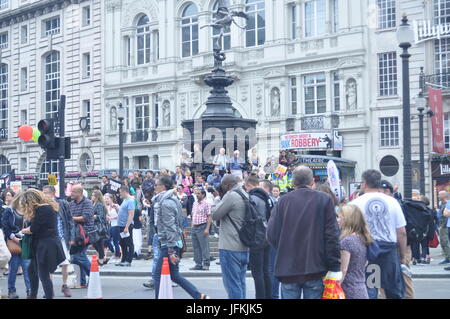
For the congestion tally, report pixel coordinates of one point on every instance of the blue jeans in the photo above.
(311, 290)
(275, 281)
(14, 263)
(156, 254)
(113, 242)
(373, 293)
(234, 267)
(175, 275)
(82, 260)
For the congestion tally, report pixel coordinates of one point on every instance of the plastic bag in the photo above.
(434, 243)
(332, 290)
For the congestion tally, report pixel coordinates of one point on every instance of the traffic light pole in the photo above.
(61, 164)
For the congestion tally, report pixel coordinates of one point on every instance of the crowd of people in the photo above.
(308, 232)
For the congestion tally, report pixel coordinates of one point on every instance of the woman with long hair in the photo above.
(326, 189)
(113, 242)
(46, 250)
(12, 223)
(126, 182)
(100, 213)
(355, 237)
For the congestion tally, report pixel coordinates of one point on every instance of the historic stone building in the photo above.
(50, 48)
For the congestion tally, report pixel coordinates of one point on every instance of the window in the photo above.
(441, 12)
(315, 94)
(293, 16)
(386, 14)
(387, 73)
(336, 92)
(52, 26)
(315, 18)
(52, 84)
(293, 83)
(23, 117)
(142, 113)
(442, 60)
(5, 167)
(48, 167)
(156, 112)
(87, 110)
(23, 79)
(4, 40)
(447, 131)
(86, 65)
(4, 4)
(226, 40)
(144, 162)
(23, 34)
(86, 163)
(128, 39)
(23, 164)
(189, 31)
(86, 16)
(256, 24)
(389, 136)
(334, 16)
(143, 40)
(3, 101)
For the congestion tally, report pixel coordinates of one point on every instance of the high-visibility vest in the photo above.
(290, 178)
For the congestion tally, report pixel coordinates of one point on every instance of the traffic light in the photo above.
(47, 138)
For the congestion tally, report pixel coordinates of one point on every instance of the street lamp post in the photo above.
(405, 35)
(121, 116)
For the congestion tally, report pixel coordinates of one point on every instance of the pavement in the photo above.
(142, 268)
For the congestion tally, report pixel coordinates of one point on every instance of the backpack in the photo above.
(419, 220)
(253, 231)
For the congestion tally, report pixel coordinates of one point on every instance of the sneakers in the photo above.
(196, 268)
(12, 295)
(149, 285)
(126, 264)
(216, 235)
(66, 291)
(205, 268)
(174, 285)
(445, 261)
(447, 268)
(212, 258)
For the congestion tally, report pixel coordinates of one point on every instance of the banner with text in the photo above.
(308, 141)
(437, 121)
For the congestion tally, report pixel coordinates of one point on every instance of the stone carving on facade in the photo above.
(182, 98)
(195, 100)
(141, 6)
(351, 95)
(166, 113)
(113, 118)
(259, 103)
(244, 92)
(332, 63)
(275, 102)
(111, 5)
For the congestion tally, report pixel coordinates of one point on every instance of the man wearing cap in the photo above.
(388, 189)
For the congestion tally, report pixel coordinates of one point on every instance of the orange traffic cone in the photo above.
(165, 284)
(95, 286)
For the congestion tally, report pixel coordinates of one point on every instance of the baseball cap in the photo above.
(386, 185)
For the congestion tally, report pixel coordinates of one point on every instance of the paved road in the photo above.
(131, 288)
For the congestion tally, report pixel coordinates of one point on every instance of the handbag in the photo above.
(434, 243)
(14, 248)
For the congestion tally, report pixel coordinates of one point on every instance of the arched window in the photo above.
(226, 40)
(86, 163)
(3, 101)
(52, 84)
(256, 24)
(5, 167)
(189, 31)
(143, 40)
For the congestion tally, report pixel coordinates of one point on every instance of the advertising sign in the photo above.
(437, 123)
(307, 141)
(16, 186)
(333, 178)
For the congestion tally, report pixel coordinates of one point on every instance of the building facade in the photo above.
(50, 48)
(299, 66)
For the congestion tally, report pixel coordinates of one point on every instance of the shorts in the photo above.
(66, 253)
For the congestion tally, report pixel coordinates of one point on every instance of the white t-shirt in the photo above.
(113, 213)
(383, 215)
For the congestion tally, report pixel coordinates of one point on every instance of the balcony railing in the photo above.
(312, 123)
(438, 80)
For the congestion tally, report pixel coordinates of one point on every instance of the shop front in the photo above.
(440, 172)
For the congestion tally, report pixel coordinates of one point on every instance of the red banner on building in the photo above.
(437, 121)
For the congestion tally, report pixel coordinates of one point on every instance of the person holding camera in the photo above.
(12, 223)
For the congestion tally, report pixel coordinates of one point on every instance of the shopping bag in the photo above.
(332, 290)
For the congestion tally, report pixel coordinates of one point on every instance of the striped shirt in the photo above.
(84, 209)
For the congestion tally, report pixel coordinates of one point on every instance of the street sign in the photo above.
(52, 180)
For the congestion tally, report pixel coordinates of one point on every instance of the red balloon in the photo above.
(25, 132)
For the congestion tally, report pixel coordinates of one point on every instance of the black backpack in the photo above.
(253, 231)
(419, 220)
